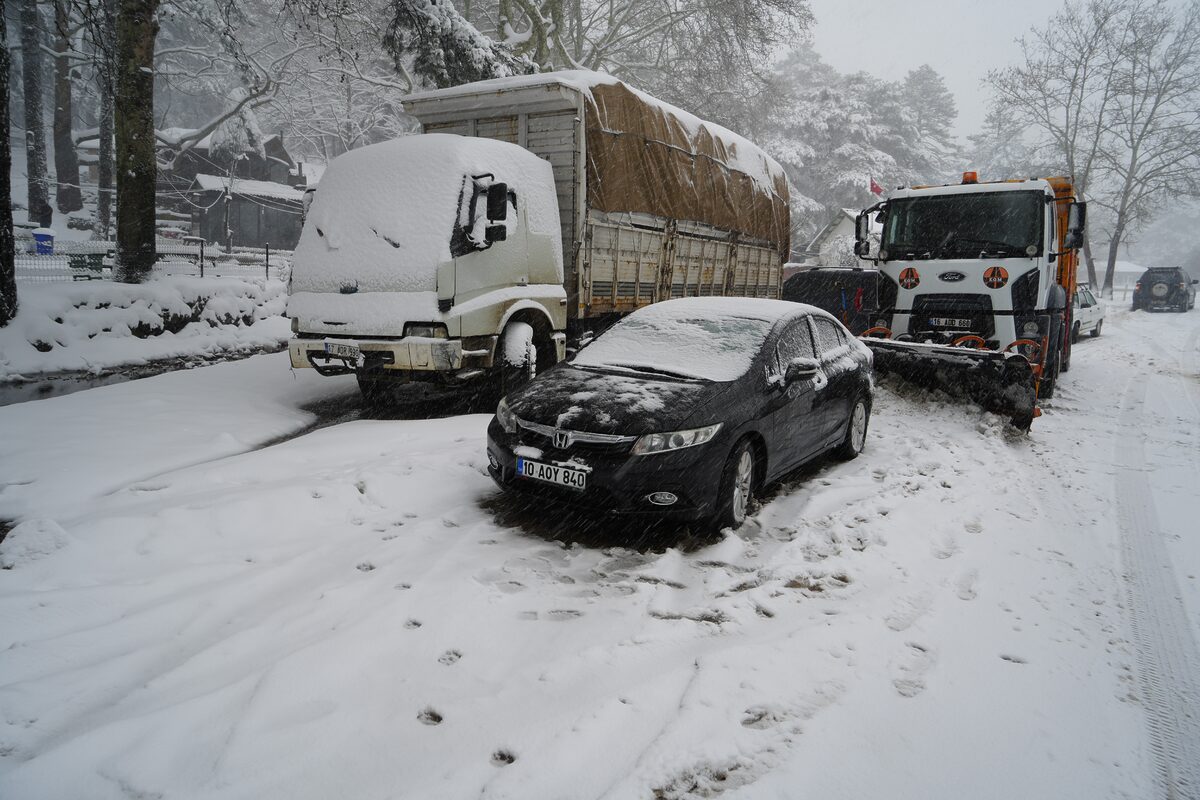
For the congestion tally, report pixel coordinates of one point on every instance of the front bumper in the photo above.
(618, 483)
(410, 353)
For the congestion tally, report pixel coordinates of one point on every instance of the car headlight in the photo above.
(507, 420)
(426, 330)
(676, 440)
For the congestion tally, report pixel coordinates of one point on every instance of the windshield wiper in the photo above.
(652, 370)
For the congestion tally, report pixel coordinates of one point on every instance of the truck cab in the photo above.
(986, 265)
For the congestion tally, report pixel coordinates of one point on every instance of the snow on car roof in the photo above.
(709, 338)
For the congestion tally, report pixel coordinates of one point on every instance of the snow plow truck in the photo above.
(975, 288)
(530, 209)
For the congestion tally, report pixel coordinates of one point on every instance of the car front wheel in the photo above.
(737, 487)
(856, 431)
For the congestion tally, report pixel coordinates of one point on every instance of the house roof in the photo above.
(217, 183)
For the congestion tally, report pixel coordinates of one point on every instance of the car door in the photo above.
(795, 429)
(832, 406)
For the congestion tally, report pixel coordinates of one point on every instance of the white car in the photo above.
(1089, 313)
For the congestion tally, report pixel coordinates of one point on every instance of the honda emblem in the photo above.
(563, 439)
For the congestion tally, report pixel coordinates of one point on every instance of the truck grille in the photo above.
(976, 309)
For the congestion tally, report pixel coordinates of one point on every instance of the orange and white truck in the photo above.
(975, 287)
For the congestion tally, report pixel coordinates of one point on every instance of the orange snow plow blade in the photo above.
(1000, 382)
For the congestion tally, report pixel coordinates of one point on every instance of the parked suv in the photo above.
(1165, 287)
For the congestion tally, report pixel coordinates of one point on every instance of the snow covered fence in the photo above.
(95, 325)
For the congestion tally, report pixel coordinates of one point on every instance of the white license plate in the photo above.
(550, 473)
(350, 351)
(950, 322)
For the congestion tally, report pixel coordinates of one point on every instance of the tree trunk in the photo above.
(8, 282)
(106, 68)
(104, 203)
(66, 162)
(137, 28)
(1089, 260)
(35, 125)
(1114, 245)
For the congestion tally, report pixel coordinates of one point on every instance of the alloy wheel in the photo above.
(743, 484)
(858, 427)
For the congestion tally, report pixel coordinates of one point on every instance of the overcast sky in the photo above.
(961, 39)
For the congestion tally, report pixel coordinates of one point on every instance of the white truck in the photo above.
(530, 209)
(975, 282)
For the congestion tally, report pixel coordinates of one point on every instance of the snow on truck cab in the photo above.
(530, 209)
(975, 287)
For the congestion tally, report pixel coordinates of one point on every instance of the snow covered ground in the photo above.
(355, 612)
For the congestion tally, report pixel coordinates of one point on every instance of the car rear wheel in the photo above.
(1075, 333)
(737, 487)
(856, 431)
(1096, 330)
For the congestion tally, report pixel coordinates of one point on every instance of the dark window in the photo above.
(795, 342)
(1089, 299)
(828, 336)
(965, 225)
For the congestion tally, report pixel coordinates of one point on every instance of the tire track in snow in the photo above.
(1167, 654)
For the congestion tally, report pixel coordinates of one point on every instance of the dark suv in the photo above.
(1165, 287)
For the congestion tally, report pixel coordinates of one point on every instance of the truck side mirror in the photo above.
(497, 202)
(862, 232)
(495, 233)
(1076, 223)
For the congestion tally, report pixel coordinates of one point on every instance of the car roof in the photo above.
(752, 307)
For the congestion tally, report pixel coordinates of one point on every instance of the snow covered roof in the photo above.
(277, 191)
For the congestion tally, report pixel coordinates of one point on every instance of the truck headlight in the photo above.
(507, 419)
(426, 330)
(1029, 329)
(676, 440)
(295, 324)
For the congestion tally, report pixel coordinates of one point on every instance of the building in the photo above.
(256, 213)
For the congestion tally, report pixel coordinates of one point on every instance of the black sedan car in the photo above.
(686, 408)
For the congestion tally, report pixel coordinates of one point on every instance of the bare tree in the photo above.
(1112, 89)
(1154, 124)
(8, 281)
(35, 122)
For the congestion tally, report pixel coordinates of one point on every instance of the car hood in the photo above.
(608, 402)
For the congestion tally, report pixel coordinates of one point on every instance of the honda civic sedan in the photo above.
(686, 408)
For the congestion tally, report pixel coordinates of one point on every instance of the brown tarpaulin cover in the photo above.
(680, 173)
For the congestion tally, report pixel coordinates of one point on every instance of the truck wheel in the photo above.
(1096, 330)
(518, 357)
(737, 488)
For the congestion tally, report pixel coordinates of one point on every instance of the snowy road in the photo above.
(355, 613)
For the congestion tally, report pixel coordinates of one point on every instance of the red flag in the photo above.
(875, 187)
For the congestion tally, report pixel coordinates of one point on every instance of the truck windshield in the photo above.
(987, 224)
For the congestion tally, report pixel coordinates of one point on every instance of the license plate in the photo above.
(950, 322)
(340, 350)
(551, 473)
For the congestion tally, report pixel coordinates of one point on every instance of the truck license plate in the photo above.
(950, 322)
(349, 351)
(550, 473)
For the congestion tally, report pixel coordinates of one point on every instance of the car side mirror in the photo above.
(800, 369)
(497, 202)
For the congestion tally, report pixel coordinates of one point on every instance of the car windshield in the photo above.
(718, 348)
(992, 224)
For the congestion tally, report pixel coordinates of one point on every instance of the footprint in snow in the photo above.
(365, 566)
(502, 758)
(908, 610)
(560, 614)
(945, 546)
(966, 585)
(429, 717)
(1013, 659)
(449, 657)
(412, 624)
(918, 660)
